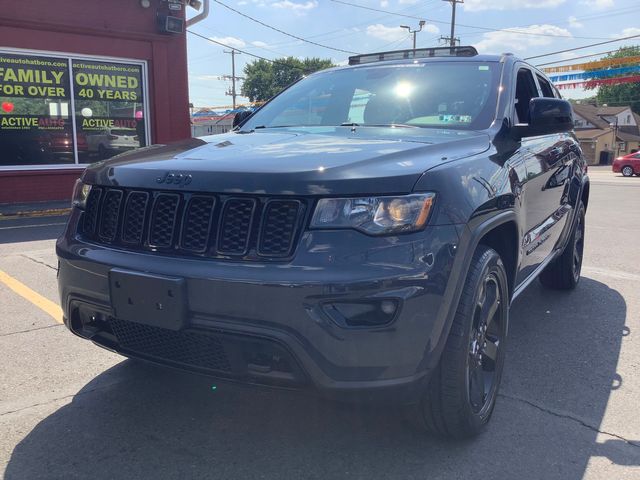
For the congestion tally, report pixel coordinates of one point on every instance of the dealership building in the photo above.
(83, 80)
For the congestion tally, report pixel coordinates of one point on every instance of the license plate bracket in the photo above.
(150, 299)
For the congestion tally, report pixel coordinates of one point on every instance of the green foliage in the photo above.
(623, 94)
(265, 79)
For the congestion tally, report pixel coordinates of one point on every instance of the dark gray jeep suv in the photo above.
(361, 235)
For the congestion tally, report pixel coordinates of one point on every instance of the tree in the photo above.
(265, 79)
(625, 93)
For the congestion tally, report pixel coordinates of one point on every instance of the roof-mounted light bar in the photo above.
(466, 51)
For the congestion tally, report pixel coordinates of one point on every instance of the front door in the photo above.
(548, 160)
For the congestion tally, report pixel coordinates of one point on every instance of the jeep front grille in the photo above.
(223, 226)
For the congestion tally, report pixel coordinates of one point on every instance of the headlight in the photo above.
(80, 194)
(374, 215)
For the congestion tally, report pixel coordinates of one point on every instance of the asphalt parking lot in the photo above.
(568, 409)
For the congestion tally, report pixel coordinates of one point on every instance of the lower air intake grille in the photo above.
(184, 347)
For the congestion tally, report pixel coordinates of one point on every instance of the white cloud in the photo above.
(598, 4)
(627, 32)
(574, 23)
(392, 34)
(384, 3)
(517, 38)
(408, 2)
(259, 44)
(296, 6)
(389, 34)
(204, 77)
(477, 5)
(431, 28)
(231, 41)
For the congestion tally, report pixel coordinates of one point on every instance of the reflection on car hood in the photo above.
(302, 161)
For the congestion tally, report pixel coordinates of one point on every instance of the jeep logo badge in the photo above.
(171, 178)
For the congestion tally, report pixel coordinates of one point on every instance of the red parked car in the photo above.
(627, 165)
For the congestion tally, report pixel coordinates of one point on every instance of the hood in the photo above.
(301, 161)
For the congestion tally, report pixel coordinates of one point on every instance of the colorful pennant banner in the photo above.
(595, 74)
(593, 65)
(597, 83)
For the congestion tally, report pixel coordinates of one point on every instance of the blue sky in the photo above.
(535, 27)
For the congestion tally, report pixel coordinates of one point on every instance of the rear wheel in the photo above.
(627, 171)
(463, 389)
(564, 272)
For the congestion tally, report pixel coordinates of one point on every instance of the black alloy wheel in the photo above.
(463, 388)
(564, 272)
(485, 344)
(578, 247)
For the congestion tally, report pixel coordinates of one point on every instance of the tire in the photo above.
(462, 391)
(627, 171)
(564, 272)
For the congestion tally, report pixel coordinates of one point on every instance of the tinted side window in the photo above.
(525, 90)
(545, 87)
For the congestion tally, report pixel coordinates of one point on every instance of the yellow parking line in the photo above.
(44, 304)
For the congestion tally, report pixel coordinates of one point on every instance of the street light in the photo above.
(421, 23)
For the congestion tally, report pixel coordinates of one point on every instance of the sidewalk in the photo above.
(35, 209)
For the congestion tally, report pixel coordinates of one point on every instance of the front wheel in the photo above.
(463, 390)
(627, 171)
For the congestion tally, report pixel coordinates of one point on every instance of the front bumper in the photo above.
(277, 310)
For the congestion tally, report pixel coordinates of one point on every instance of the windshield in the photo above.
(434, 94)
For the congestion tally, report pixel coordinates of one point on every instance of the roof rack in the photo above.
(465, 51)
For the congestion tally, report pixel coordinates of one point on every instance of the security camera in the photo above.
(197, 4)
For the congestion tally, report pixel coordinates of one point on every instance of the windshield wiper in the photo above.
(400, 125)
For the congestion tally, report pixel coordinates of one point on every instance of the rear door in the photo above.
(548, 161)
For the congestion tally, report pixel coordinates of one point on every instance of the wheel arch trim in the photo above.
(468, 242)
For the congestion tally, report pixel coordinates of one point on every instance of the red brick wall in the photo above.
(115, 28)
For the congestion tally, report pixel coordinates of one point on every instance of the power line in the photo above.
(282, 31)
(245, 52)
(349, 28)
(575, 58)
(509, 30)
(580, 48)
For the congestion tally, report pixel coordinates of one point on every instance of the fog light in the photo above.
(388, 307)
(366, 313)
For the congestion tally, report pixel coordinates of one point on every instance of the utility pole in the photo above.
(421, 23)
(233, 77)
(452, 40)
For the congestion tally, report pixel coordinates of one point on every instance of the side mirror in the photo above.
(546, 116)
(240, 117)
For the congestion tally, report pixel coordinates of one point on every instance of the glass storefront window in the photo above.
(45, 99)
(35, 125)
(109, 107)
